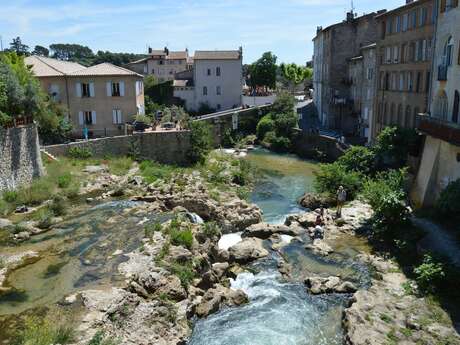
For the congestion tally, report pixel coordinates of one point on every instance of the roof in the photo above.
(180, 83)
(403, 7)
(217, 55)
(48, 67)
(104, 69)
(177, 55)
(370, 46)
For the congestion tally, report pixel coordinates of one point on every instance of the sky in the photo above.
(285, 27)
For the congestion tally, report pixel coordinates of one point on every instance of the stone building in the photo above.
(404, 52)
(440, 162)
(361, 76)
(334, 46)
(163, 64)
(216, 80)
(100, 98)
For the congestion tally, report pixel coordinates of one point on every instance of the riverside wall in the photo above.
(20, 159)
(318, 147)
(168, 147)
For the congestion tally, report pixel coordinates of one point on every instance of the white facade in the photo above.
(217, 81)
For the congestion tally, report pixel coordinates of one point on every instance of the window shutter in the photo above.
(443, 6)
(114, 116)
(78, 89)
(120, 117)
(109, 88)
(137, 88)
(91, 90)
(80, 118)
(93, 116)
(122, 88)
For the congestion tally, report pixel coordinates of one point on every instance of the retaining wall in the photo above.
(164, 147)
(20, 159)
(308, 146)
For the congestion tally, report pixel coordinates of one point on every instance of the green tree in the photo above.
(358, 158)
(295, 74)
(200, 141)
(18, 47)
(262, 73)
(41, 51)
(72, 52)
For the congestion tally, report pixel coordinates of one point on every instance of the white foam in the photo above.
(228, 240)
(287, 238)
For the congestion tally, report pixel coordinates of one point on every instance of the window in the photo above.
(388, 54)
(218, 106)
(403, 53)
(116, 116)
(218, 91)
(413, 19)
(423, 16)
(398, 24)
(161, 62)
(401, 81)
(405, 22)
(208, 72)
(115, 89)
(410, 82)
(448, 50)
(393, 114)
(441, 106)
(418, 82)
(370, 73)
(456, 109)
(85, 90)
(153, 71)
(408, 116)
(88, 117)
(205, 91)
(389, 26)
(427, 81)
(396, 54)
(400, 114)
(218, 71)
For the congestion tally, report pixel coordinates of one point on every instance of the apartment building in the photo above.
(163, 64)
(100, 98)
(216, 80)
(404, 49)
(440, 162)
(334, 46)
(362, 80)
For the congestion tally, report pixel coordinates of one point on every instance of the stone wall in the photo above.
(308, 146)
(164, 147)
(20, 159)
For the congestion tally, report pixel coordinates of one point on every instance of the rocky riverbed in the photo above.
(181, 283)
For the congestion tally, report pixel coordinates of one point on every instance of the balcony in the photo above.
(442, 72)
(439, 128)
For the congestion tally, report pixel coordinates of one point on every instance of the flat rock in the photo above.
(248, 250)
(264, 230)
(332, 284)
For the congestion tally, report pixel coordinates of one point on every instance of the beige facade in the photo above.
(163, 64)
(100, 98)
(404, 64)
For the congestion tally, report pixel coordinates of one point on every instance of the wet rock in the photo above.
(22, 236)
(264, 230)
(320, 285)
(214, 298)
(21, 209)
(320, 247)
(179, 253)
(234, 270)
(248, 250)
(220, 268)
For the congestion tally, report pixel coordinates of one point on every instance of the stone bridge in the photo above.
(240, 119)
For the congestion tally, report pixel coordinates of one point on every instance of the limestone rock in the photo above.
(248, 250)
(320, 285)
(264, 230)
(313, 201)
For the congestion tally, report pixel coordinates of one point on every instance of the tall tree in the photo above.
(72, 52)
(18, 47)
(262, 73)
(295, 74)
(41, 51)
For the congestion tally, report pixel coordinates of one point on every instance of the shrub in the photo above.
(358, 158)
(329, 177)
(120, 165)
(228, 139)
(10, 196)
(429, 274)
(40, 190)
(184, 272)
(285, 122)
(64, 181)
(44, 218)
(448, 204)
(181, 237)
(211, 229)
(385, 183)
(58, 206)
(44, 332)
(150, 229)
(243, 176)
(200, 141)
(264, 126)
(100, 339)
(80, 152)
(152, 171)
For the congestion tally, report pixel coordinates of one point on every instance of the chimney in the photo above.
(350, 16)
(150, 50)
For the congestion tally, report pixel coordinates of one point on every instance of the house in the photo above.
(163, 64)
(440, 162)
(404, 51)
(362, 81)
(215, 81)
(101, 97)
(334, 46)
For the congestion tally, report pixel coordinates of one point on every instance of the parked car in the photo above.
(168, 125)
(140, 126)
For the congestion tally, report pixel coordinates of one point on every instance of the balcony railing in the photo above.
(442, 72)
(439, 128)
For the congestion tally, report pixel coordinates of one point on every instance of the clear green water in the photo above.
(282, 180)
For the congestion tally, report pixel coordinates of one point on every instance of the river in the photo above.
(280, 312)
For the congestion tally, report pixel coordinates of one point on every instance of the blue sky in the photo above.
(285, 27)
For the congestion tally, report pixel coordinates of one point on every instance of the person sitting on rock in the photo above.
(319, 220)
(319, 232)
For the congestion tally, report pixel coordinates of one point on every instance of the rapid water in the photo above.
(281, 312)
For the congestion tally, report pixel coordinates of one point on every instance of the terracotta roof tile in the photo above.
(104, 69)
(48, 67)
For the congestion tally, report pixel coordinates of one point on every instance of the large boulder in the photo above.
(248, 250)
(214, 298)
(313, 201)
(265, 231)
